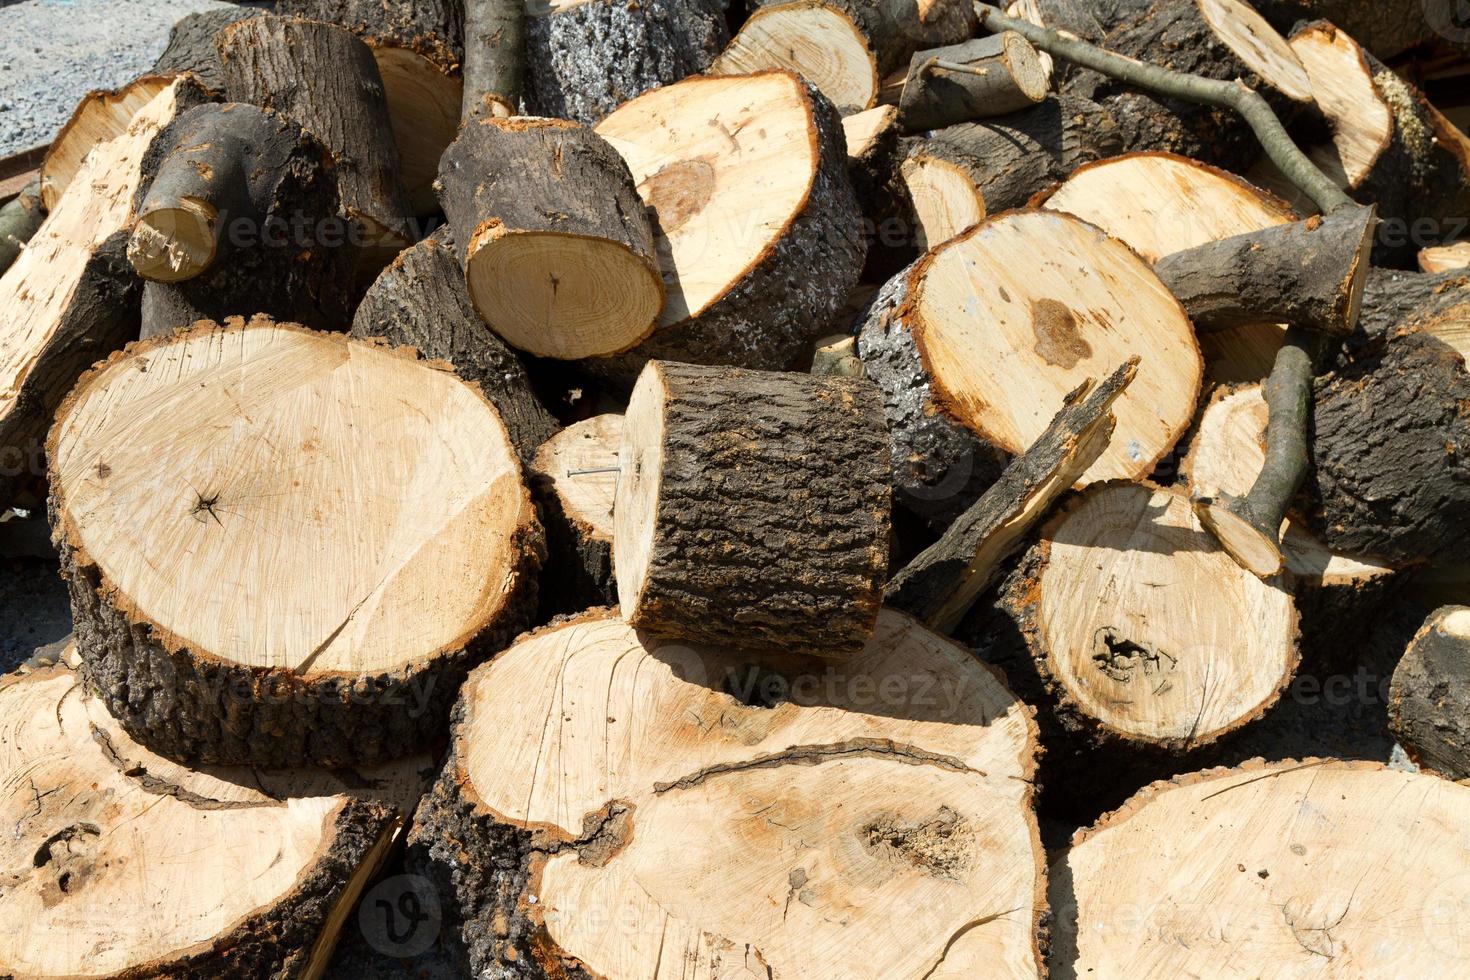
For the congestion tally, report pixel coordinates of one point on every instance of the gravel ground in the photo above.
(53, 52)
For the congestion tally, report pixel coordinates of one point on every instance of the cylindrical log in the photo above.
(1454, 257)
(1079, 18)
(986, 76)
(574, 478)
(584, 58)
(1143, 630)
(238, 213)
(790, 551)
(191, 45)
(1429, 700)
(194, 540)
(1265, 867)
(1387, 28)
(19, 221)
(419, 48)
(942, 197)
(1387, 434)
(100, 116)
(904, 780)
(1219, 39)
(757, 227)
(325, 78)
(495, 55)
(556, 244)
(420, 301)
(121, 863)
(872, 149)
(822, 42)
(978, 344)
(1435, 303)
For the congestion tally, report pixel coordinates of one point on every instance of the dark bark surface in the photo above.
(934, 96)
(191, 45)
(1429, 700)
(18, 222)
(420, 301)
(1385, 27)
(1395, 298)
(585, 61)
(579, 564)
(431, 28)
(773, 512)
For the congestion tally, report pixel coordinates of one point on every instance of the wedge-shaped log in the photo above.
(574, 478)
(194, 539)
(101, 116)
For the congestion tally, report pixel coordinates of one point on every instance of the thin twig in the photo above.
(939, 64)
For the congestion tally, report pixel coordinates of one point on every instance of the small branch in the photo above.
(494, 57)
(1295, 165)
(936, 64)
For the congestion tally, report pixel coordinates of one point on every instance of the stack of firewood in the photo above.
(664, 474)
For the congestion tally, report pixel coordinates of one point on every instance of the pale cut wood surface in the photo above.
(1258, 44)
(944, 197)
(98, 118)
(1360, 118)
(819, 42)
(565, 458)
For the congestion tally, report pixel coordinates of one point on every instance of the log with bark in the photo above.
(1142, 629)
(235, 216)
(1279, 889)
(1387, 28)
(872, 151)
(982, 77)
(1445, 258)
(584, 58)
(71, 297)
(574, 478)
(20, 219)
(120, 862)
(281, 64)
(494, 59)
(1429, 700)
(943, 197)
(101, 116)
(758, 232)
(420, 301)
(977, 345)
(790, 553)
(1435, 303)
(195, 540)
(868, 790)
(419, 48)
(191, 45)
(557, 247)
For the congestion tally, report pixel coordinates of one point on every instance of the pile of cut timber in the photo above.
(587, 489)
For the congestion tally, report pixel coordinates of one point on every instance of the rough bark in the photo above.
(191, 45)
(268, 238)
(872, 157)
(1387, 28)
(325, 78)
(18, 222)
(1429, 700)
(790, 553)
(1079, 18)
(495, 51)
(420, 301)
(987, 76)
(586, 59)
(433, 29)
(1388, 431)
(1395, 298)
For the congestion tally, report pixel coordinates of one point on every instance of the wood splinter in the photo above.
(987, 76)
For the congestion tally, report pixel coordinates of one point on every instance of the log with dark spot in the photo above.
(1429, 700)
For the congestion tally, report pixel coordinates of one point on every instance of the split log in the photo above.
(420, 301)
(277, 63)
(180, 530)
(1429, 700)
(941, 584)
(1387, 432)
(419, 48)
(1223, 40)
(1445, 258)
(856, 790)
(792, 551)
(1309, 274)
(71, 297)
(1278, 890)
(982, 77)
(1143, 630)
(191, 45)
(754, 292)
(100, 116)
(234, 216)
(574, 478)
(19, 221)
(556, 245)
(977, 345)
(584, 58)
(122, 863)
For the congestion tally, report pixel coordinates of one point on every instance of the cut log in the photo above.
(1078, 18)
(1387, 28)
(872, 150)
(989, 333)
(943, 196)
(1429, 700)
(19, 221)
(1217, 39)
(822, 792)
(837, 355)
(986, 76)
(100, 116)
(191, 45)
(584, 58)
(754, 292)
(235, 216)
(71, 297)
(194, 538)
(495, 55)
(122, 863)
(941, 584)
(575, 480)
(792, 551)
(274, 63)
(1143, 629)
(1445, 258)
(1388, 429)
(420, 301)
(419, 48)
(1264, 867)
(557, 248)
